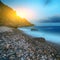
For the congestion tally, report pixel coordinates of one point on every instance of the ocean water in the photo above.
(50, 33)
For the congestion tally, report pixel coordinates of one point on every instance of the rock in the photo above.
(34, 29)
(4, 29)
(40, 39)
(16, 45)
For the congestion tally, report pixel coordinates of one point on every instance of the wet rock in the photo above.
(40, 39)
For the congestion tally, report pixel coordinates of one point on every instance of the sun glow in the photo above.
(25, 13)
(20, 15)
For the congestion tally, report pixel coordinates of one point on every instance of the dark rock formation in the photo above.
(34, 29)
(40, 39)
(16, 45)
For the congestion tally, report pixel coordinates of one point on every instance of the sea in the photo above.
(50, 33)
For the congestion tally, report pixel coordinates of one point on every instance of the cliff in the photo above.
(8, 17)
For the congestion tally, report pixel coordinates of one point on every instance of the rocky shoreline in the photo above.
(16, 45)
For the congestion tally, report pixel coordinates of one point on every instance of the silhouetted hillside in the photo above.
(8, 17)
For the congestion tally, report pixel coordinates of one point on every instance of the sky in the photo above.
(35, 10)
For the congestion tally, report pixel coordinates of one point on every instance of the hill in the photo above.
(8, 17)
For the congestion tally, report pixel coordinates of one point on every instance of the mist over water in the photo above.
(50, 33)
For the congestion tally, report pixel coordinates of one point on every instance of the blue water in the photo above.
(50, 33)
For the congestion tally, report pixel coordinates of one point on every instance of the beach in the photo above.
(16, 45)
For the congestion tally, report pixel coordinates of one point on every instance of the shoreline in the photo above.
(39, 37)
(17, 45)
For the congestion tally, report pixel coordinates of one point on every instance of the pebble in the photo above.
(15, 46)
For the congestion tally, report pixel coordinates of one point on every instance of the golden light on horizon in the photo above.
(24, 13)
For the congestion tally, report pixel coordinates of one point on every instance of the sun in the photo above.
(20, 14)
(25, 13)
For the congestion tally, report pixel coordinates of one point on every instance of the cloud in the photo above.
(52, 20)
(47, 2)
